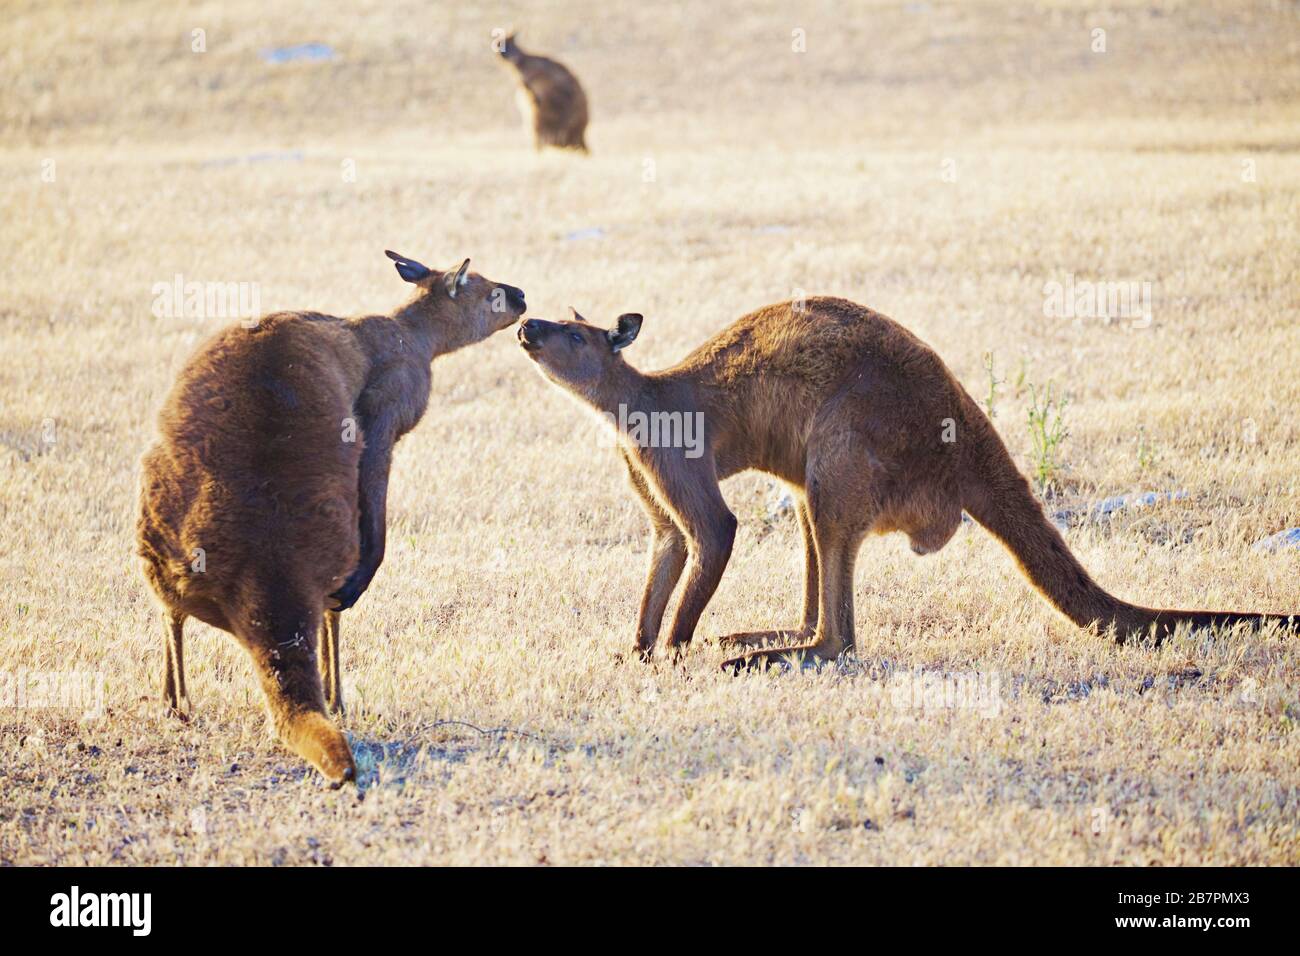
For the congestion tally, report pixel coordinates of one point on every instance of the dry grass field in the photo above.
(939, 162)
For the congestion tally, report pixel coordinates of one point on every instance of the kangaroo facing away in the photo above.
(263, 500)
(851, 410)
(551, 100)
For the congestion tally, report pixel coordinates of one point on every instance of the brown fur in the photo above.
(258, 471)
(850, 409)
(551, 100)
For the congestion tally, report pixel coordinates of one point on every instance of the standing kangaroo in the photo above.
(852, 410)
(550, 98)
(263, 501)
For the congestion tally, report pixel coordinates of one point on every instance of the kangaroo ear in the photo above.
(408, 269)
(456, 280)
(629, 324)
(573, 314)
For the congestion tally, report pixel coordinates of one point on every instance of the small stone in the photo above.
(1288, 540)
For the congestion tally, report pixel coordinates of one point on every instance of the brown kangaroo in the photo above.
(550, 98)
(862, 419)
(263, 501)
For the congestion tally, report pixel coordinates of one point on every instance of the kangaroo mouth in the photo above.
(515, 299)
(529, 338)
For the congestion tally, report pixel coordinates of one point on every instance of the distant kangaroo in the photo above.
(850, 409)
(263, 501)
(550, 98)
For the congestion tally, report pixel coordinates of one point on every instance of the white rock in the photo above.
(1288, 540)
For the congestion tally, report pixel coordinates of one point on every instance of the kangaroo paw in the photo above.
(796, 654)
(637, 655)
(762, 638)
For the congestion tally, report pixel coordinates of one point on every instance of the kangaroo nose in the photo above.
(530, 332)
(515, 295)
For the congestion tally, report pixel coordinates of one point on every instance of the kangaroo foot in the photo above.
(795, 654)
(334, 702)
(637, 655)
(177, 708)
(311, 736)
(761, 638)
(676, 653)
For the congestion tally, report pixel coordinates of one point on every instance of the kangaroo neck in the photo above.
(620, 388)
(420, 331)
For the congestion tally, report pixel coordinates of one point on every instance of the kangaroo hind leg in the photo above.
(329, 663)
(175, 698)
(842, 506)
(811, 597)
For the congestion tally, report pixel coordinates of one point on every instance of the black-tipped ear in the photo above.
(573, 314)
(454, 280)
(408, 269)
(629, 325)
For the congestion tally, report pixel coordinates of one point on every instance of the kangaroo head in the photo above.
(509, 49)
(576, 355)
(463, 306)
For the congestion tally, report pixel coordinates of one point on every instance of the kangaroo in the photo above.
(262, 504)
(550, 98)
(868, 427)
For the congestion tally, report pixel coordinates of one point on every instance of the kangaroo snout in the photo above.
(515, 298)
(530, 334)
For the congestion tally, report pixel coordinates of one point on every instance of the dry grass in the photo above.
(515, 554)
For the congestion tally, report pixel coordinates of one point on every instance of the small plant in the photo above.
(1145, 453)
(994, 382)
(1047, 432)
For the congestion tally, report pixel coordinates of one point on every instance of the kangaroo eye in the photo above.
(575, 338)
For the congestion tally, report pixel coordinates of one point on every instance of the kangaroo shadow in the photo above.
(395, 763)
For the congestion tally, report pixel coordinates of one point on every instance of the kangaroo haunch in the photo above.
(263, 501)
(858, 415)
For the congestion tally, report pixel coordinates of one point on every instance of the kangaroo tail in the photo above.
(998, 496)
(282, 642)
